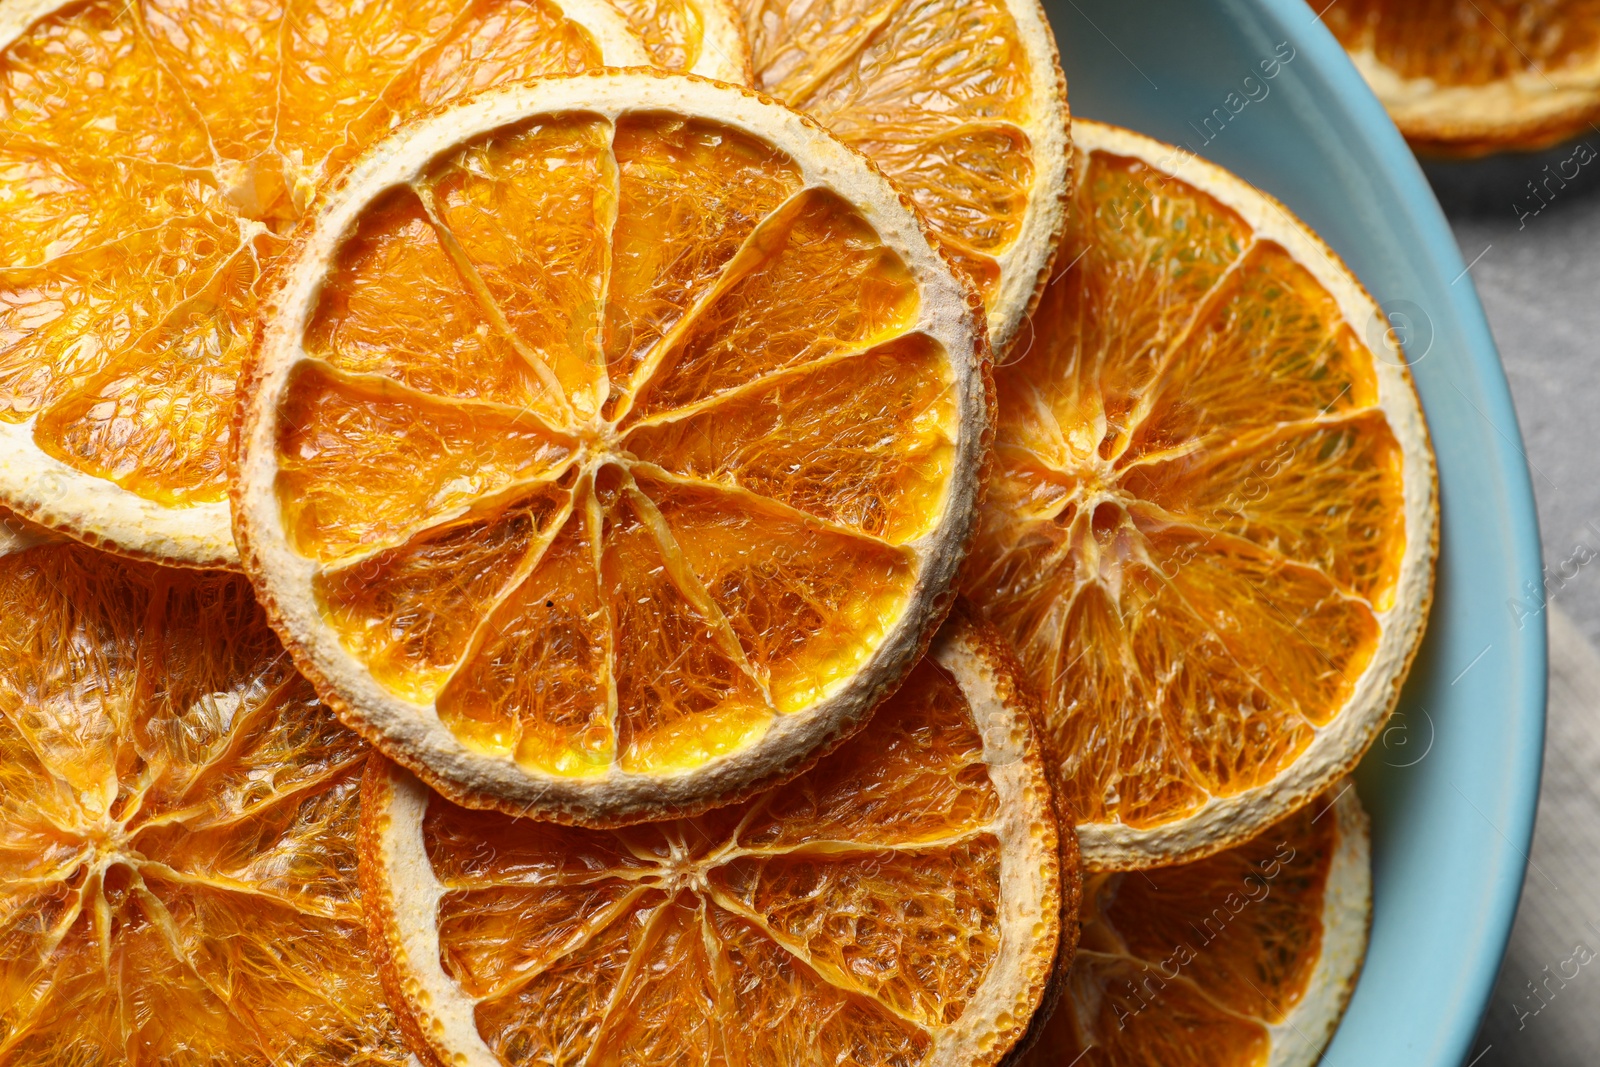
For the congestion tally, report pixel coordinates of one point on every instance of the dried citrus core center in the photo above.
(1197, 516)
(614, 441)
(852, 913)
(1471, 43)
(176, 833)
(154, 153)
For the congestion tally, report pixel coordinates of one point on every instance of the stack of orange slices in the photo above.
(737, 511)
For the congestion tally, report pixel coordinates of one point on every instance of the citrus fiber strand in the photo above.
(739, 265)
(136, 13)
(1149, 396)
(1244, 544)
(531, 558)
(693, 588)
(601, 921)
(843, 52)
(760, 382)
(829, 973)
(186, 816)
(489, 305)
(1194, 988)
(754, 253)
(595, 332)
(640, 951)
(594, 528)
(761, 502)
(233, 885)
(847, 847)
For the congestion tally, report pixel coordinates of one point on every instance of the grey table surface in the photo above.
(1535, 255)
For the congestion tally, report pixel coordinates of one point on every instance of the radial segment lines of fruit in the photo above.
(613, 441)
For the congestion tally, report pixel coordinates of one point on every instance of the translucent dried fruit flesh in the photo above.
(1197, 513)
(177, 829)
(673, 32)
(1462, 42)
(852, 913)
(938, 94)
(1191, 965)
(153, 153)
(609, 501)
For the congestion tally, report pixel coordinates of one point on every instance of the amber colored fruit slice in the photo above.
(155, 154)
(962, 102)
(614, 446)
(1242, 959)
(1471, 77)
(1211, 528)
(178, 817)
(899, 903)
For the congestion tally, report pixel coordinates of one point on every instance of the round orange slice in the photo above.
(178, 817)
(1470, 78)
(899, 903)
(612, 445)
(962, 102)
(1247, 957)
(155, 154)
(1211, 530)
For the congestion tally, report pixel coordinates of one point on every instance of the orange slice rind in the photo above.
(177, 829)
(1469, 81)
(1211, 528)
(1248, 956)
(591, 530)
(900, 902)
(962, 103)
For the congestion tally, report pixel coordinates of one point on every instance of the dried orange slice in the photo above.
(899, 903)
(1465, 78)
(960, 101)
(178, 818)
(1247, 957)
(1211, 530)
(612, 446)
(155, 153)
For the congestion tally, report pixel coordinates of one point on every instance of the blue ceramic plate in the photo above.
(1453, 782)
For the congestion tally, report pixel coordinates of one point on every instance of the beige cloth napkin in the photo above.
(1545, 1011)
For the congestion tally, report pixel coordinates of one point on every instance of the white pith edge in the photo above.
(413, 734)
(1024, 264)
(1422, 107)
(724, 52)
(1029, 888)
(1336, 747)
(1299, 1039)
(1030, 875)
(102, 512)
